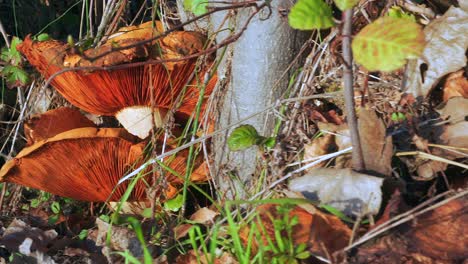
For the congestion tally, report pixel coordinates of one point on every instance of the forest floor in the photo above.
(304, 204)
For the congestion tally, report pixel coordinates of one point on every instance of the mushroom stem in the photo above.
(137, 119)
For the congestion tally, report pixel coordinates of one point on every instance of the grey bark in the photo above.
(247, 77)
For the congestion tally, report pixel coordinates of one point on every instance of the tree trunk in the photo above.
(249, 81)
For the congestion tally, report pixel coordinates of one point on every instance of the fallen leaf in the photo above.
(455, 110)
(320, 231)
(351, 192)
(30, 241)
(456, 85)
(443, 54)
(319, 146)
(439, 236)
(204, 216)
(181, 230)
(342, 137)
(454, 134)
(377, 147)
(121, 239)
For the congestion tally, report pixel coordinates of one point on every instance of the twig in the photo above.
(357, 157)
(432, 157)
(4, 34)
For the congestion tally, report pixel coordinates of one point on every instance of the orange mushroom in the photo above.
(133, 94)
(87, 163)
(53, 122)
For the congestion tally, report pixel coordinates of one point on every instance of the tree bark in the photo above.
(249, 81)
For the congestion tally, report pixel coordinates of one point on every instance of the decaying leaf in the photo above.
(444, 53)
(455, 134)
(204, 216)
(376, 146)
(30, 241)
(320, 231)
(342, 136)
(121, 239)
(319, 146)
(351, 192)
(438, 236)
(456, 85)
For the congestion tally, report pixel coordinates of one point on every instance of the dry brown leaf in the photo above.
(454, 134)
(182, 230)
(444, 53)
(319, 146)
(321, 231)
(342, 137)
(439, 236)
(204, 216)
(377, 147)
(456, 85)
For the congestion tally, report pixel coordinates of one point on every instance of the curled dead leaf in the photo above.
(456, 85)
(324, 233)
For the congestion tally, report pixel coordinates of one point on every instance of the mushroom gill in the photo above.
(139, 96)
(87, 163)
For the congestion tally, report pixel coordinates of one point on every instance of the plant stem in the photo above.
(357, 157)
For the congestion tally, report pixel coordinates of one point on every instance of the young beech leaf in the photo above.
(385, 44)
(345, 4)
(310, 14)
(197, 7)
(243, 137)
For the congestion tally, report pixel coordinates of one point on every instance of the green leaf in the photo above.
(43, 37)
(83, 234)
(385, 44)
(243, 137)
(303, 255)
(105, 218)
(311, 14)
(15, 56)
(197, 7)
(15, 76)
(53, 219)
(35, 203)
(345, 4)
(397, 12)
(174, 204)
(55, 207)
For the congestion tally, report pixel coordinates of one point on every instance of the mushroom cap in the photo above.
(105, 92)
(87, 163)
(53, 122)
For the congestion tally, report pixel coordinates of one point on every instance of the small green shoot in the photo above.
(83, 234)
(246, 136)
(398, 117)
(175, 203)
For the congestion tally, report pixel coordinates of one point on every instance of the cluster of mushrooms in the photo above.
(68, 155)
